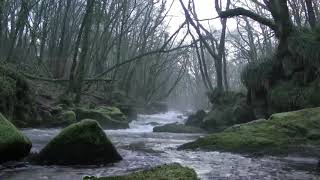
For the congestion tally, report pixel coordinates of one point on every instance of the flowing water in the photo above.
(141, 148)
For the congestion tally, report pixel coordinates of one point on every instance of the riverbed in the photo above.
(141, 149)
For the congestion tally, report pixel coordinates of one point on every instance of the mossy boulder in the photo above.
(294, 132)
(178, 128)
(83, 143)
(62, 119)
(129, 110)
(125, 103)
(196, 119)
(108, 117)
(224, 116)
(13, 144)
(171, 171)
(17, 99)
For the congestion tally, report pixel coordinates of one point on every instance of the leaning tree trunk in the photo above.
(78, 69)
(311, 14)
(284, 26)
(21, 21)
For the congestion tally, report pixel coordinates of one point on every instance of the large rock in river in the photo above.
(13, 144)
(82, 143)
(294, 132)
(108, 117)
(170, 172)
(196, 119)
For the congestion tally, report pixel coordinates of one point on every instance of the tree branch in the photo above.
(243, 12)
(29, 76)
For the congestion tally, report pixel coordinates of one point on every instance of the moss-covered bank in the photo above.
(13, 144)
(165, 172)
(82, 143)
(284, 133)
(289, 79)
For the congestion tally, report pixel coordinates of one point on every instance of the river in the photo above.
(141, 148)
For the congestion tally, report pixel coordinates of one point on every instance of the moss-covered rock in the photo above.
(129, 110)
(177, 128)
(283, 133)
(170, 172)
(82, 143)
(226, 115)
(126, 104)
(196, 119)
(108, 117)
(13, 144)
(17, 99)
(62, 119)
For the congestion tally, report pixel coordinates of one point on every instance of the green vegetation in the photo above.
(284, 133)
(13, 144)
(196, 119)
(108, 117)
(171, 171)
(229, 108)
(17, 99)
(259, 75)
(63, 119)
(86, 135)
(177, 128)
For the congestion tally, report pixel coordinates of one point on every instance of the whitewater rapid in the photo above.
(141, 148)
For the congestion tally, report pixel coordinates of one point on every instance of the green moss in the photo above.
(304, 47)
(196, 119)
(13, 144)
(7, 87)
(259, 75)
(224, 98)
(281, 134)
(218, 119)
(177, 128)
(224, 116)
(108, 117)
(62, 119)
(17, 100)
(289, 96)
(172, 171)
(80, 143)
(113, 112)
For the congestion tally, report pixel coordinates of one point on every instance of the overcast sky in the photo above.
(205, 10)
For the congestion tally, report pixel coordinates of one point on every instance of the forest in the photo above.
(159, 89)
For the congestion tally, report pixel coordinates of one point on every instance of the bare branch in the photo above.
(243, 12)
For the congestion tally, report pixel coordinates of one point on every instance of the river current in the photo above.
(141, 149)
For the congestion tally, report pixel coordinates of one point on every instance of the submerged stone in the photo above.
(294, 132)
(82, 143)
(13, 144)
(170, 172)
